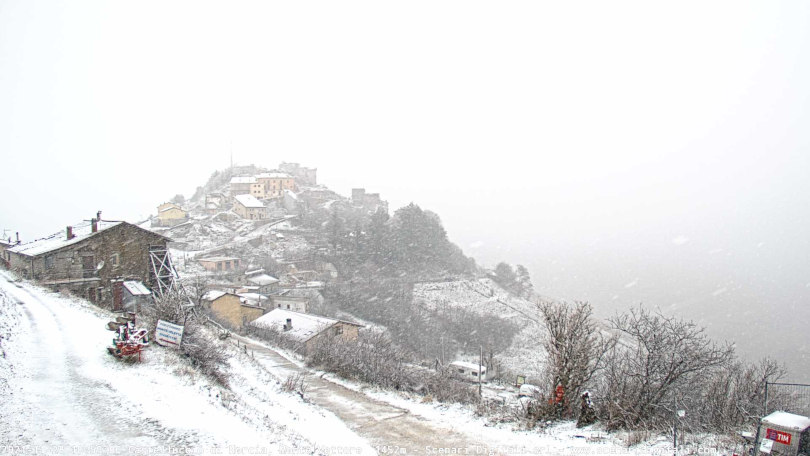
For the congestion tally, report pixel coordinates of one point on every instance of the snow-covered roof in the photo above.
(248, 201)
(788, 421)
(216, 259)
(59, 240)
(274, 176)
(136, 288)
(304, 326)
(213, 295)
(466, 365)
(243, 180)
(171, 208)
(252, 299)
(262, 280)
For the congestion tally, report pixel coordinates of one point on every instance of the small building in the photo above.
(88, 258)
(5, 244)
(170, 214)
(248, 207)
(265, 282)
(132, 294)
(276, 183)
(231, 308)
(307, 330)
(240, 185)
(469, 371)
(289, 200)
(220, 264)
(214, 202)
(784, 433)
(294, 303)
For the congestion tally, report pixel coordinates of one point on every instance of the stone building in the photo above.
(220, 264)
(240, 185)
(248, 207)
(92, 259)
(368, 201)
(231, 308)
(306, 330)
(276, 183)
(307, 176)
(214, 202)
(5, 244)
(294, 303)
(170, 214)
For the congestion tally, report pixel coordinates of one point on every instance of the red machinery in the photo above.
(129, 340)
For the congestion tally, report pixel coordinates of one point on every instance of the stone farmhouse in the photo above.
(93, 260)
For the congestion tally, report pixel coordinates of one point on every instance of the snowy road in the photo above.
(58, 404)
(388, 428)
(63, 394)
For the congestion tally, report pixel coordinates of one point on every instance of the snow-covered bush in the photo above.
(205, 351)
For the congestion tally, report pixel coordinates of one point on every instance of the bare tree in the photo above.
(733, 396)
(575, 346)
(196, 287)
(653, 367)
(203, 350)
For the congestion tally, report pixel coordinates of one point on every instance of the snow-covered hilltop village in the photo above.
(268, 314)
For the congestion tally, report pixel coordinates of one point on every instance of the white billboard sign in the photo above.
(168, 334)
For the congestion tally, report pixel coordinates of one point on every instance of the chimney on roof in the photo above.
(94, 224)
(18, 237)
(98, 216)
(70, 233)
(288, 326)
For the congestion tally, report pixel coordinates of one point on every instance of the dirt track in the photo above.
(389, 429)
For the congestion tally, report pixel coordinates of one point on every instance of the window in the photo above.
(49, 262)
(461, 371)
(475, 374)
(114, 260)
(338, 330)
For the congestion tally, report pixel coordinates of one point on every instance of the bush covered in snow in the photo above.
(205, 351)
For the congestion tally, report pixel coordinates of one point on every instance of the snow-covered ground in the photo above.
(63, 394)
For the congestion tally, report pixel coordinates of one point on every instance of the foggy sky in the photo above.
(625, 152)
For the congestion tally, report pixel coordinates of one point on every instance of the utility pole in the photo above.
(480, 361)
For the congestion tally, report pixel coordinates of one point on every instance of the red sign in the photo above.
(778, 436)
